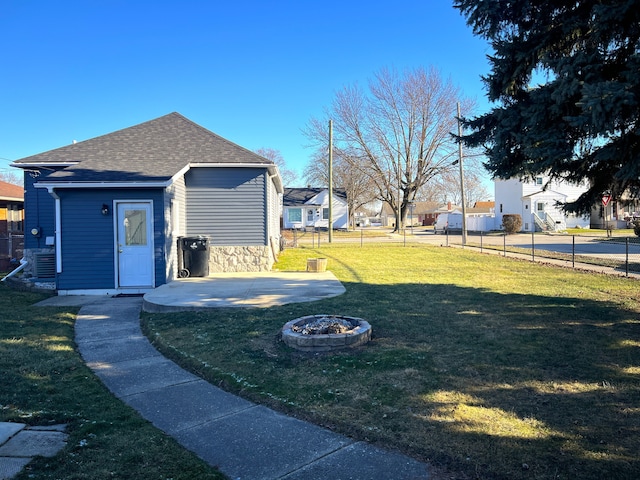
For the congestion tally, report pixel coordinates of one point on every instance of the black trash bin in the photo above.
(195, 256)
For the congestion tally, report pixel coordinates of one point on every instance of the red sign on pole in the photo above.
(606, 199)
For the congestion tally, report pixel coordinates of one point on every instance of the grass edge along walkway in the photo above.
(44, 381)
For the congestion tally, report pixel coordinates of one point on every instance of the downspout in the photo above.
(58, 230)
(275, 216)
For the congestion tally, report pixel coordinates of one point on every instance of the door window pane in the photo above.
(135, 227)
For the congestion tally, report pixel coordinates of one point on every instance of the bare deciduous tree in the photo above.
(360, 189)
(397, 133)
(288, 176)
(11, 177)
(446, 188)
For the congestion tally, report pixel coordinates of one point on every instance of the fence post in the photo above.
(533, 247)
(626, 262)
(361, 237)
(404, 234)
(573, 251)
(481, 235)
(504, 244)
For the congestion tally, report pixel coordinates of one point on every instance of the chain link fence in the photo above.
(621, 254)
(11, 248)
(618, 254)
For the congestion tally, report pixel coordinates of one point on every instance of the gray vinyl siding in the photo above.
(174, 214)
(88, 240)
(228, 205)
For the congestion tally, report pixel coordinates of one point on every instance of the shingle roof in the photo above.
(151, 151)
(300, 196)
(484, 204)
(9, 191)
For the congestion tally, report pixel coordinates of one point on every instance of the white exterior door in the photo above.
(135, 245)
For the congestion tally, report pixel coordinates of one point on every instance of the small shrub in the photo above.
(636, 227)
(512, 223)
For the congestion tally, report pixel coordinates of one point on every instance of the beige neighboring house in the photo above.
(614, 214)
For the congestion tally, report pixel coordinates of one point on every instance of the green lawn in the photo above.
(486, 366)
(44, 381)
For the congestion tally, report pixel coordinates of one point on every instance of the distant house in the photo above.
(11, 224)
(615, 213)
(484, 207)
(423, 213)
(309, 207)
(536, 202)
(105, 215)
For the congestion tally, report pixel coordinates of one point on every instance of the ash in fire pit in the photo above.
(324, 325)
(321, 333)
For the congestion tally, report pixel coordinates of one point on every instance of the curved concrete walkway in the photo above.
(242, 439)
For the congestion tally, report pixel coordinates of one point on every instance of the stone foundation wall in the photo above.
(240, 259)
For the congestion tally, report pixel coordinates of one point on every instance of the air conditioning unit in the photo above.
(45, 265)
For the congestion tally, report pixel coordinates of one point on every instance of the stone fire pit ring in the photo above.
(325, 342)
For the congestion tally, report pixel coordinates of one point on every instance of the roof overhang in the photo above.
(271, 168)
(46, 165)
(300, 205)
(545, 193)
(53, 185)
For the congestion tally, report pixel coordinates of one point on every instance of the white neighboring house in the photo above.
(537, 205)
(309, 207)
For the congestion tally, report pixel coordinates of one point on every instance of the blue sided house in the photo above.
(111, 214)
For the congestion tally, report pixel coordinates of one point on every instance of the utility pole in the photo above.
(330, 181)
(399, 213)
(464, 200)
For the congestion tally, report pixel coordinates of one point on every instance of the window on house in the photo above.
(295, 215)
(540, 206)
(13, 215)
(325, 214)
(538, 180)
(500, 208)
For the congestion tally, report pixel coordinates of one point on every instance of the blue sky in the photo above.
(253, 72)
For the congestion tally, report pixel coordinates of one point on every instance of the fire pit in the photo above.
(323, 333)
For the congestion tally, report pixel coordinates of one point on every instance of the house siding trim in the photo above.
(94, 185)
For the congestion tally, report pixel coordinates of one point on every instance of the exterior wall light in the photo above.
(105, 209)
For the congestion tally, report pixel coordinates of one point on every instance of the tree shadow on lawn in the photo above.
(551, 381)
(496, 385)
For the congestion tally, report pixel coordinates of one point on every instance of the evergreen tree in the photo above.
(565, 82)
